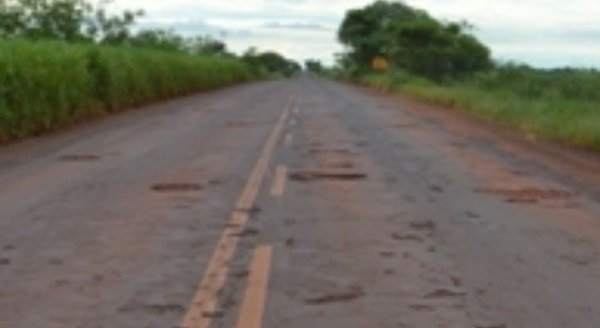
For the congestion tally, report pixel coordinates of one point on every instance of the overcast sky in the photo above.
(543, 33)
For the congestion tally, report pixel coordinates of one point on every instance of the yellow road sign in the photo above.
(380, 64)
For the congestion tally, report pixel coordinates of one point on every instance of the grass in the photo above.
(560, 105)
(46, 85)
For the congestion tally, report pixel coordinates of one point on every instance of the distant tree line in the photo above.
(314, 66)
(271, 62)
(82, 21)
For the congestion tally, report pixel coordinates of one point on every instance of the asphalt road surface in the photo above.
(298, 203)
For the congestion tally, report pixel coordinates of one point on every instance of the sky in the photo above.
(541, 33)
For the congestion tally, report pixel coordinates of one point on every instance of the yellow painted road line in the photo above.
(202, 309)
(289, 140)
(253, 306)
(278, 187)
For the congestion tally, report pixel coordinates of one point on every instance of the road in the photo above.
(297, 203)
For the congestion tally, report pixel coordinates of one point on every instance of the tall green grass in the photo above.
(45, 85)
(561, 105)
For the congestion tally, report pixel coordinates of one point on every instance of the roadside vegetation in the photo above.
(443, 63)
(64, 61)
(46, 85)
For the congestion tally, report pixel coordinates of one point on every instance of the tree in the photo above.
(110, 29)
(314, 66)
(158, 39)
(364, 31)
(412, 40)
(206, 45)
(271, 62)
(435, 50)
(64, 20)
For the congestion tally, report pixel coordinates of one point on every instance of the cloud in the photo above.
(544, 33)
(297, 26)
(520, 30)
(183, 26)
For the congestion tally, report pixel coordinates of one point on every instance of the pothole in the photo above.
(249, 210)
(352, 294)
(403, 125)
(164, 308)
(423, 225)
(80, 158)
(527, 195)
(339, 165)
(241, 123)
(445, 292)
(176, 187)
(217, 314)
(330, 151)
(308, 176)
(407, 237)
(245, 233)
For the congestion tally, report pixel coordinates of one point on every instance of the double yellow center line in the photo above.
(203, 307)
(255, 296)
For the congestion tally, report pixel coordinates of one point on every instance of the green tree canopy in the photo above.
(206, 45)
(314, 66)
(84, 21)
(364, 30)
(271, 62)
(412, 40)
(158, 39)
(65, 20)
